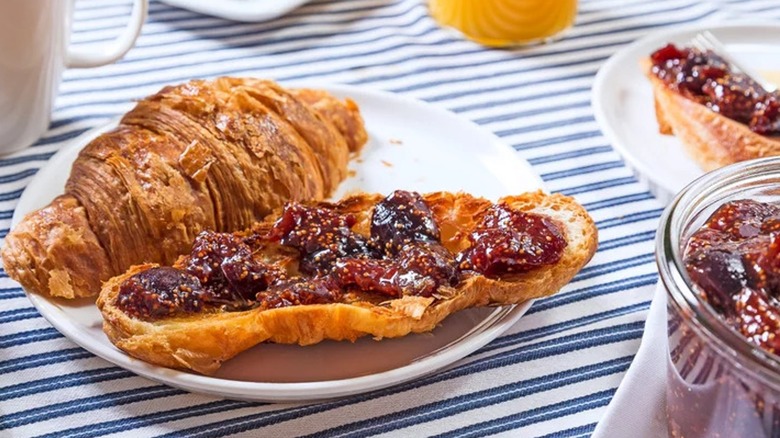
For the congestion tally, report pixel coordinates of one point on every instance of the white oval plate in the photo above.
(412, 146)
(623, 101)
(239, 10)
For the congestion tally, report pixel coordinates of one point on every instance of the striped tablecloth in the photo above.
(551, 375)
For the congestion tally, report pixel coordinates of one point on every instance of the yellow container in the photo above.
(501, 23)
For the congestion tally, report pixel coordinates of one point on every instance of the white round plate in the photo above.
(623, 101)
(412, 146)
(239, 10)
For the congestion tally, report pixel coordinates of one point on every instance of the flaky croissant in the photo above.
(215, 154)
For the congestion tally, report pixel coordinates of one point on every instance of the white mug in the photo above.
(34, 51)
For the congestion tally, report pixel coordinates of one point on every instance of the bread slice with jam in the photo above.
(720, 116)
(367, 265)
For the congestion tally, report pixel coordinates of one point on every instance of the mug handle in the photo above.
(80, 58)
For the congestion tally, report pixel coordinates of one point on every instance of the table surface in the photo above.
(551, 375)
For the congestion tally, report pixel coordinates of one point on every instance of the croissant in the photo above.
(218, 155)
(362, 266)
(721, 119)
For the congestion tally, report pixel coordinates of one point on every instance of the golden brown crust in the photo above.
(709, 138)
(344, 116)
(58, 241)
(202, 342)
(215, 154)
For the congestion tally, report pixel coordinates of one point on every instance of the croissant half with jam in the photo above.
(721, 116)
(216, 155)
(366, 265)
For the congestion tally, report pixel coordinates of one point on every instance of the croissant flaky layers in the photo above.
(217, 154)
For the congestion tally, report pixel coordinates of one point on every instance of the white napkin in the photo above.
(638, 407)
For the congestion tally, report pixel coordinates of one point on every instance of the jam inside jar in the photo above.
(716, 251)
(734, 260)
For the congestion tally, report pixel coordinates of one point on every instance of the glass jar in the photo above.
(500, 23)
(719, 384)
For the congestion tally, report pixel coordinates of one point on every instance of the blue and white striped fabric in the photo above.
(552, 375)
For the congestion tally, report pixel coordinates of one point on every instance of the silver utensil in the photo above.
(707, 41)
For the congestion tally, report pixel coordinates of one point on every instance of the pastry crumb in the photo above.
(387, 163)
(395, 141)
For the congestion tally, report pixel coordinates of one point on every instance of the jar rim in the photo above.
(704, 319)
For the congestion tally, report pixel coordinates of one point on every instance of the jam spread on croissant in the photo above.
(402, 256)
(709, 80)
(734, 259)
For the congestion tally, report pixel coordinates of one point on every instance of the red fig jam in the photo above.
(400, 219)
(708, 79)
(320, 235)
(160, 292)
(300, 291)
(405, 231)
(734, 259)
(402, 256)
(419, 268)
(225, 267)
(507, 241)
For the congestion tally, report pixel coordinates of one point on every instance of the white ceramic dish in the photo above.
(239, 10)
(410, 142)
(623, 101)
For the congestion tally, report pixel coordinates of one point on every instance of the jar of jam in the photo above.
(723, 374)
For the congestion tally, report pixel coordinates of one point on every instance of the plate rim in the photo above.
(605, 72)
(500, 320)
(245, 11)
